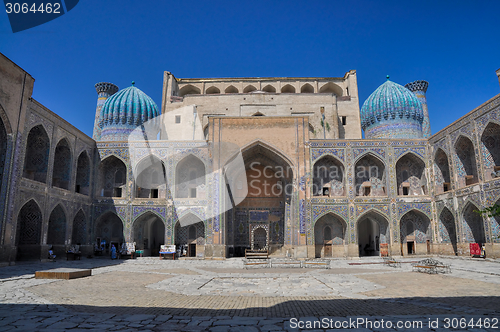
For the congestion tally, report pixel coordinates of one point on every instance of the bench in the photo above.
(431, 266)
(391, 262)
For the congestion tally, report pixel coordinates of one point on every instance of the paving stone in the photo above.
(63, 325)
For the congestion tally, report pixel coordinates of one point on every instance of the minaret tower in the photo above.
(104, 91)
(419, 88)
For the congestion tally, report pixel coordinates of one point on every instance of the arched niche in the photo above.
(61, 173)
(447, 229)
(37, 155)
(288, 88)
(373, 233)
(112, 177)
(150, 178)
(189, 90)
(213, 90)
(79, 232)
(307, 88)
(190, 235)
(231, 89)
(82, 184)
(29, 231)
(190, 178)
(370, 176)
(329, 234)
(410, 176)
(249, 89)
(56, 234)
(328, 177)
(472, 225)
(331, 87)
(490, 144)
(415, 232)
(442, 172)
(148, 233)
(109, 229)
(466, 162)
(269, 88)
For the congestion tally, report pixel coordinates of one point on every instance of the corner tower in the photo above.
(104, 91)
(419, 88)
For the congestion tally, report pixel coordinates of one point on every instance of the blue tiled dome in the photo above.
(124, 111)
(392, 111)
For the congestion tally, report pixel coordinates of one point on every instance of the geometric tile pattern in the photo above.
(29, 224)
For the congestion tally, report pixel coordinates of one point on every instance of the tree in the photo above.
(492, 211)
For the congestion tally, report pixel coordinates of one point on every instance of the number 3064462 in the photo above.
(24, 8)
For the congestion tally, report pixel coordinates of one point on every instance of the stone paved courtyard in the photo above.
(162, 295)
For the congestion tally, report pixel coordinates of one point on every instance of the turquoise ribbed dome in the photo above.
(124, 111)
(392, 111)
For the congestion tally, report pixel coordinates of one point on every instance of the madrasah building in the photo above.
(231, 164)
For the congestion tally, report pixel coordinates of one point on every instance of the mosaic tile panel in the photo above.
(318, 153)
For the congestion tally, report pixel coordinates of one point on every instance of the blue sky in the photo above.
(452, 44)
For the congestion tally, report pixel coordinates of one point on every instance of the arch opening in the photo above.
(151, 179)
(109, 231)
(189, 90)
(472, 225)
(212, 90)
(307, 88)
(249, 89)
(410, 176)
(370, 177)
(447, 230)
(149, 234)
(415, 232)
(82, 184)
(56, 234)
(29, 231)
(490, 145)
(112, 178)
(329, 236)
(231, 89)
(328, 177)
(79, 233)
(288, 88)
(331, 87)
(36, 159)
(442, 172)
(190, 239)
(466, 162)
(190, 178)
(270, 188)
(61, 174)
(373, 234)
(269, 88)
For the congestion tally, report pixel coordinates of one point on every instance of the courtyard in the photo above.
(205, 295)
